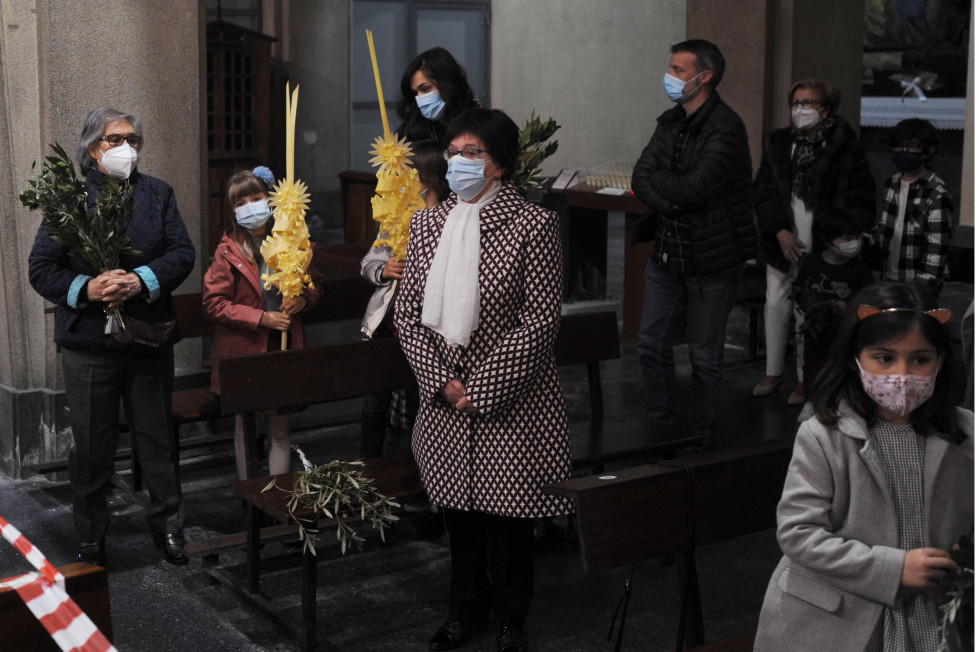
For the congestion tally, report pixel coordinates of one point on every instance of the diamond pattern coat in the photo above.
(495, 461)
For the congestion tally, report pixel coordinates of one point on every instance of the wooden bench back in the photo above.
(343, 298)
(315, 375)
(329, 373)
(655, 510)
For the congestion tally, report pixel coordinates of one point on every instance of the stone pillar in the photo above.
(768, 44)
(58, 62)
(319, 62)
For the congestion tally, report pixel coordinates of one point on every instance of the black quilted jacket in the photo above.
(156, 230)
(713, 191)
(840, 178)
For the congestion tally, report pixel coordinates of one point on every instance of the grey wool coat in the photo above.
(838, 528)
(495, 461)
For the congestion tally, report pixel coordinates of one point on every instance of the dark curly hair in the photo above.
(449, 78)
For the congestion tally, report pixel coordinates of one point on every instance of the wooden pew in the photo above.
(343, 298)
(88, 587)
(256, 383)
(675, 506)
(395, 476)
(266, 381)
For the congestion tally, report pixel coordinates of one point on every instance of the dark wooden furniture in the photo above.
(395, 476)
(343, 298)
(251, 384)
(243, 110)
(586, 205)
(356, 192)
(88, 587)
(673, 507)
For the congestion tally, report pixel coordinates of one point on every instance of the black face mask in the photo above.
(907, 161)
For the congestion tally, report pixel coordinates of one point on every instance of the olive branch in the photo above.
(97, 238)
(534, 148)
(336, 490)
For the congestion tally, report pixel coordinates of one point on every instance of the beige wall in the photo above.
(596, 67)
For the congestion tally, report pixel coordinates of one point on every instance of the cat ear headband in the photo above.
(941, 314)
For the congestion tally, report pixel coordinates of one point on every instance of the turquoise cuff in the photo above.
(75, 290)
(150, 281)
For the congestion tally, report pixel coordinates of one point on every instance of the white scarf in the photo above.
(451, 306)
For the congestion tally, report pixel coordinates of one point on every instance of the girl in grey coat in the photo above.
(879, 488)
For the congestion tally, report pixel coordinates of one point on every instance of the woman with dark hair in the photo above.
(383, 271)
(96, 378)
(815, 164)
(880, 486)
(434, 90)
(478, 314)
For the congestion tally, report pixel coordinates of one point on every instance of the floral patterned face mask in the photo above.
(898, 394)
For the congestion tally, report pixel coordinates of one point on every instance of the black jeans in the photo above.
(492, 565)
(94, 383)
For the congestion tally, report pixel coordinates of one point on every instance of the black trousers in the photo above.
(94, 383)
(492, 566)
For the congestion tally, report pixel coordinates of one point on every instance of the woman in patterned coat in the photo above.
(478, 315)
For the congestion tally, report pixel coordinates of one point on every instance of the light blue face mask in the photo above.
(430, 104)
(253, 215)
(465, 177)
(674, 87)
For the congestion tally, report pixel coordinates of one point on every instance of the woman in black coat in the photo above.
(816, 163)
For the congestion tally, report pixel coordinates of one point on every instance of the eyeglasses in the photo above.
(115, 140)
(910, 149)
(809, 103)
(470, 152)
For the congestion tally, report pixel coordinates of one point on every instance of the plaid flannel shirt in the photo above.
(927, 228)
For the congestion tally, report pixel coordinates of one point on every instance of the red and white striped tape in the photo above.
(44, 594)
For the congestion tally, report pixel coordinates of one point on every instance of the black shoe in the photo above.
(511, 639)
(452, 634)
(173, 548)
(92, 553)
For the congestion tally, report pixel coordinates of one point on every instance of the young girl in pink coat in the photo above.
(249, 318)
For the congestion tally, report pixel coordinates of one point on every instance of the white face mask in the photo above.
(849, 249)
(119, 162)
(804, 118)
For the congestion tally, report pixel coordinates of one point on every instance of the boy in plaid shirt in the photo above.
(915, 226)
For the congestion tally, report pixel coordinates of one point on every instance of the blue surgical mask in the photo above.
(674, 87)
(465, 177)
(253, 215)
(430, 104)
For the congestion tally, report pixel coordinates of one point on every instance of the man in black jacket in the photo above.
(695, 176)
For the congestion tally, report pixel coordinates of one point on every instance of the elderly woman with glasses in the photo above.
(815, 163)
(96, 378)
(478, 314)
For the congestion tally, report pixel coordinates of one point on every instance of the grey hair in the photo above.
(94, 128)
